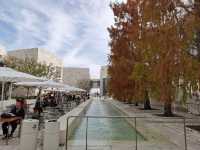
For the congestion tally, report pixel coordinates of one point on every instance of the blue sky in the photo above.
(76, 30)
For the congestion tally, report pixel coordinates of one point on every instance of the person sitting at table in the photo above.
(18, 111)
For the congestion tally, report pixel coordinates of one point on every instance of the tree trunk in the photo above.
(147, 104)
(130, 101)
(168, 109)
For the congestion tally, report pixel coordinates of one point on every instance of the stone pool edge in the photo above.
(165, 131)
(79, 110)
(149, 134)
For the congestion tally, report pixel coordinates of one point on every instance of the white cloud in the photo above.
(2, 46)
(75, 30)
(60, 28)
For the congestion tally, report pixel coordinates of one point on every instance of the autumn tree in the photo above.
(167, 37)
(120, 84)
(124, 44)
(159, 34)
(194, 17)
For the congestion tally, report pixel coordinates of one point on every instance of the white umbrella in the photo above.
(69, 88)
(11, 75)
(79, 90)
(73, 89)
(44, 84)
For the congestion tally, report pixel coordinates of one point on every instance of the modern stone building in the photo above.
(103, 80)
(76, 76)
(95, 83)
(41, 56)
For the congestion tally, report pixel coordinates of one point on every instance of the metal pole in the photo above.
(10, 91)
(27, 92)
(2, 95)
(86, 138)
(136, 134)
(2, 91)
(67, 133)
(185, 134)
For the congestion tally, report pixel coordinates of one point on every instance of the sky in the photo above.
(75, 30)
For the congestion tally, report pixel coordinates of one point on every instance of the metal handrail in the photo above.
(193, 104)
(83, 116)
(135, 125)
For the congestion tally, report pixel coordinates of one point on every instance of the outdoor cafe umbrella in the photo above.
(11, 75)
(68, 88)
(42, 84)
(49, 84)
(78, 90)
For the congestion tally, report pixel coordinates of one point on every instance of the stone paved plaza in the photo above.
(160, 133)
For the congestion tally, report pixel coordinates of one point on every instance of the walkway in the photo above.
(170, 130)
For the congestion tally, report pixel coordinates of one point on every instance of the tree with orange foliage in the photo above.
(121, 86)
(154, 37)
(165, 38)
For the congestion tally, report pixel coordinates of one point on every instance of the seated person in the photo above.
(18, 111)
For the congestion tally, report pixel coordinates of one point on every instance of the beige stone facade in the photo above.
(73, 76)
(41, 56)
(103, 80)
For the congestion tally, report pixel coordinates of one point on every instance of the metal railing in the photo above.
(193, 107)
(125, 117)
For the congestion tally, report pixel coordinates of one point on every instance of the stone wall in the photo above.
(103, 80)
(24, 53)
(73, 122)
(72, 76)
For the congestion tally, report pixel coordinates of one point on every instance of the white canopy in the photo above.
(44, 84)
(79, 90)
(73, 89)
(69, 88)
(49, 84)
(11, 75)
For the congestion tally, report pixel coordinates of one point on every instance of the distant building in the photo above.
(41, 56)
(95, 83)
(2, 55)
(103, 80)
(76, 76)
